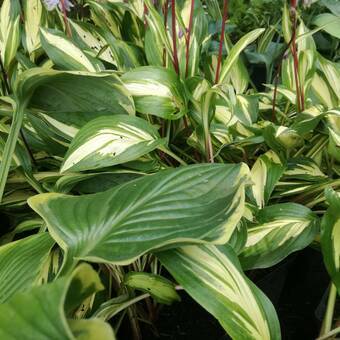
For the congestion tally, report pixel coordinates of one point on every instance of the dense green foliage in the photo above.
(153, 146)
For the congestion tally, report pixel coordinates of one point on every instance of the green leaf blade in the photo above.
(155, 211)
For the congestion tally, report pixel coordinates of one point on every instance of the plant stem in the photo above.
(173, 155)
(333, 332)
(219, 59)
(188, 36)
(8, 151)
(165, 13)
(300, 96)
(66, 22)
(327, 321)
(174, 35)
(4, 76)
(145, 14)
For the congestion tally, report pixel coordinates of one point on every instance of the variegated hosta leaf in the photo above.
(33, 10)
(334, 144)
(157, 91)
(53, 302)
(21, 262)
(265, 173)
(64, 53)
(214, 278)
(192, 204)
(65, 93)
(110, 140)
(86, 37)
(9, 30)
(330, 236)
(280, 230)
(281, 138)
(321, 92)
(156, 26)
(304, 169)
(332, 73)
(246, 109)
(236, 51)
(160, 288)
(329, 23)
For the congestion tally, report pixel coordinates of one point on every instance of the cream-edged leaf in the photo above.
(191, 204)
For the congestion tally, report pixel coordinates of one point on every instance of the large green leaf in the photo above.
(62, 92)
(109, 141)
(156, 91)
(330, 237)
(21, 262)
(214, 278)
(280, 230)
(193, 204)
(42, 312)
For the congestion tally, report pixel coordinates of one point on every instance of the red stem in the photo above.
(165, 12)
(174, 35)
(145, 14)
(224, 19)
(299, 91)
(67, 24)
(188, 36)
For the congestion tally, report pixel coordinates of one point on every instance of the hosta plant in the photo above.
(141, 156)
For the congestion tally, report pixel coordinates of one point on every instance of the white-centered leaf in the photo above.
(157, 91)
(107, 141)
(64, 53)
(33, 10)
(9, 30)
(265, 173)
(236, 51)
(214, 278)
(280, 230)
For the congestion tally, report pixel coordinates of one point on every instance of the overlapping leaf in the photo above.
(108, 141)
(280, 230)
(21, 262)
(156, 91)
(53, 303)
(214, 278)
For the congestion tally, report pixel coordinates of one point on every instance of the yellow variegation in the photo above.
(213, 277)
